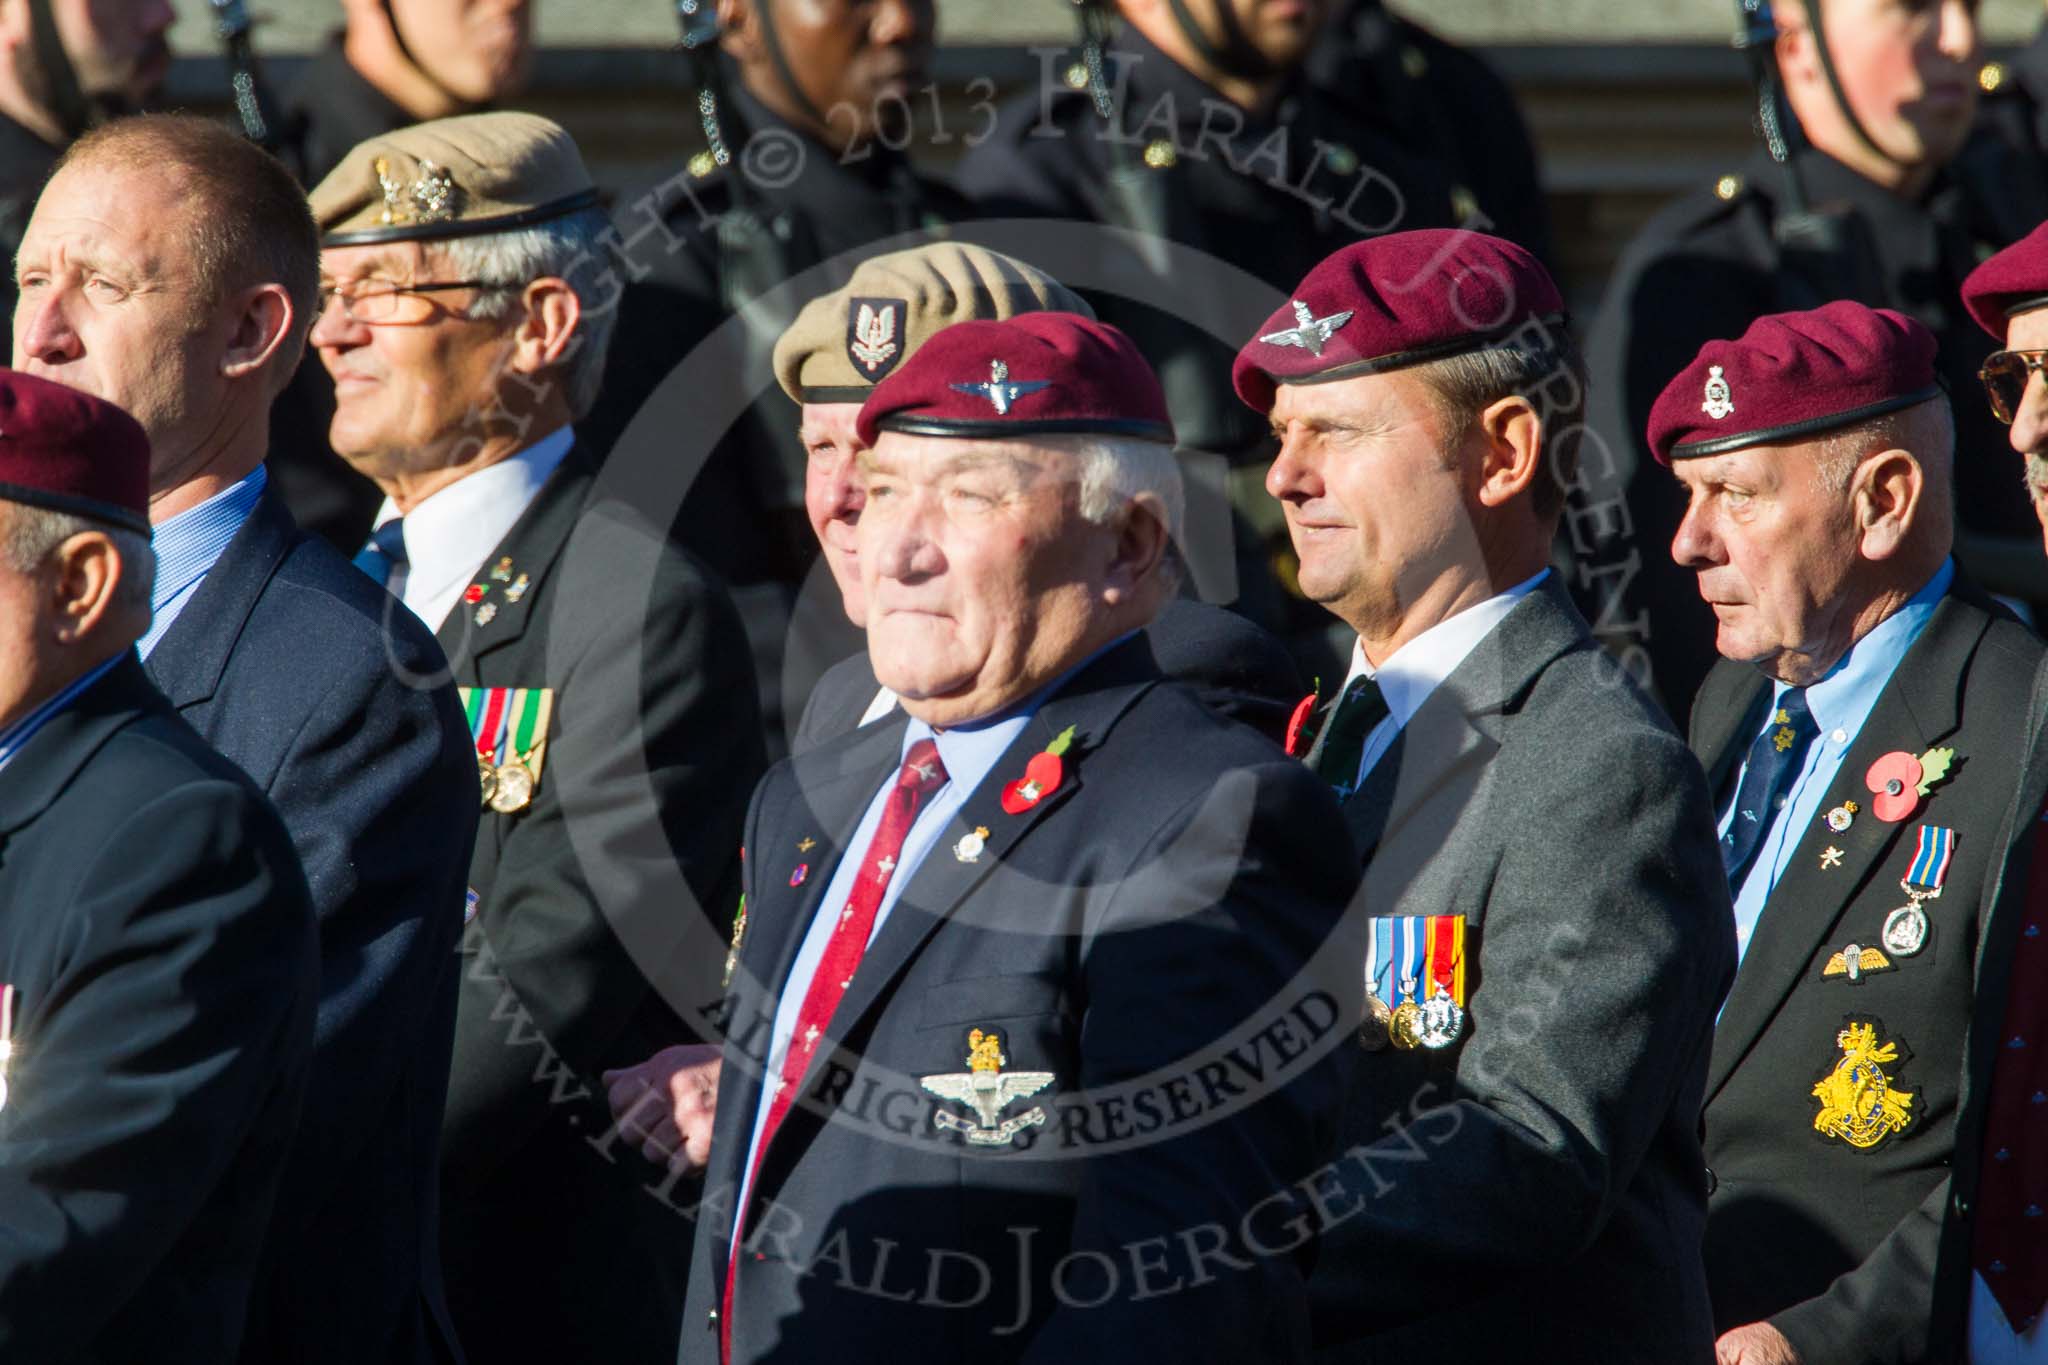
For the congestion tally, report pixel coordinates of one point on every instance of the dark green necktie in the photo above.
(1341, 744)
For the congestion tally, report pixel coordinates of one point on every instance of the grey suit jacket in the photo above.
(1535, 1190)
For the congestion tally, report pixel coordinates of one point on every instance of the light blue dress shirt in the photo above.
(188, 546)
(22, 731)
(1840, 703)
(969, 753)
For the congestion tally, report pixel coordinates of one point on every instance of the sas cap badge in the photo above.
(987, 1091)
(874, 334)
(1858, 1104)
(1720, 400)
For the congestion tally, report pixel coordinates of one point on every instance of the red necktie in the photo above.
(921, 775)
(2009, 1246)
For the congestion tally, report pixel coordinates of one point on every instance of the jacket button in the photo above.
(711, 1317)
(1962, 1206)
(1713, 1181)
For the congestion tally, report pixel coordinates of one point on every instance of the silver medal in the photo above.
(1905, 930)
(1443, 1020)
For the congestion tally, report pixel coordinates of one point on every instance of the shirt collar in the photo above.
(452, 532)
(1419, 667)
(1843, 699)
(188, 545)
(15, 736)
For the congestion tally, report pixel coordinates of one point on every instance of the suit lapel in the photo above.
(1459, 726)
(533, 545)
(1724, 725)
(188, 662)
(45, 766)
(1918, 708)
(1092, 704)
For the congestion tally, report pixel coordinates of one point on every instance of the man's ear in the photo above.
(547, 333)
(739, 31)
(85, 579)
(1511, 436)
(1886, 496)
(263, 325)
(1142, 537)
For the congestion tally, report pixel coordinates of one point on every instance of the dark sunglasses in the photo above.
(2005, 379)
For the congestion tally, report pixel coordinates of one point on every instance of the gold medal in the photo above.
(514, 788)
(1404, 1026)
(1373, 1034)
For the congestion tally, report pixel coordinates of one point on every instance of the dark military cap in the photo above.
(1399, 300)
(1793, 376)
(70, 452)
(1038, 374)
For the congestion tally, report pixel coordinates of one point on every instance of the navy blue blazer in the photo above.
(334, 699)
(157, 933)
(1164, 935)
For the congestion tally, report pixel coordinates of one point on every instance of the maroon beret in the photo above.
(70, 452)
(1036, 374)
(1792, 376)
(1398, 300)
(2013, 281)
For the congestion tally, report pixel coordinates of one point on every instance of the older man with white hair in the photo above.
(999, 946)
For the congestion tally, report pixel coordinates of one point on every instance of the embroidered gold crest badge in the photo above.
(1858, 1104)
(987, 1091)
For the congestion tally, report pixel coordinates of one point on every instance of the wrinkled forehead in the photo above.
(834, 422)
(2027, 331)
(925, 458)
(1393, 396)
(109, 205)
(1753, 466)
(405, 262)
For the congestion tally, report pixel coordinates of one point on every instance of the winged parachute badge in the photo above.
(999, 390)
(872, 329)
(1310, 332)
(987, 1091)
(1857, 1103)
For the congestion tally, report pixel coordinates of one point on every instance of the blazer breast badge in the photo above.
(988, 1091)
(1858, 1103)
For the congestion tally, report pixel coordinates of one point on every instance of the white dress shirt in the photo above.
(450, 535)
(1415, 670)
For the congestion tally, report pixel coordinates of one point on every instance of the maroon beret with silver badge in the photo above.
(1036, 374)
(1399, 300)
(2013, 281)
(70, 452)
(1793, 376)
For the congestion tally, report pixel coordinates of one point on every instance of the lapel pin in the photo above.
(1042, 776)
(797, 875)
(968, 850)
(1843, 816)
(503, 571)
(517, 590)
(1898, 780)
(474, 593)
(487, 613)
(1830, 858)
(806, 844)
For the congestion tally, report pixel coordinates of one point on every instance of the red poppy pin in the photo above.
(474, 593)
(1295, 724)
(1042, 776)
(1898, 780)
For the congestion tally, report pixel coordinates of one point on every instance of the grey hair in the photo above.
(1115, 471)
(2036, 475)
(30, 535)
(567, 248)
(1927, 430)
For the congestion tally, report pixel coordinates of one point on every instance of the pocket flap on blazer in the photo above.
(981, 998)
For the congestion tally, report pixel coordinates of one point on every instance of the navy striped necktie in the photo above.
(1774, 760)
